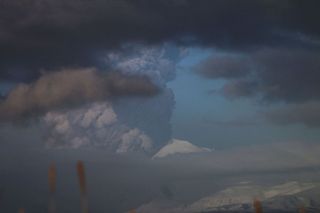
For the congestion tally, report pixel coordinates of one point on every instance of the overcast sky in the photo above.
(238, 72)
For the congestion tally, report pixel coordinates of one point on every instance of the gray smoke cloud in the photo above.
(126, 124)
(70, 87)
(158, 63)
(95, 125)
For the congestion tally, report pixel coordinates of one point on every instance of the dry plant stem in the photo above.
(257, 206)
(21, 210)
(52, 179)
(83, 188)
(302, 209)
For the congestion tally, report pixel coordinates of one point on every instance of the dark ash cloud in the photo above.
(271, 74)
(289, 74)
(280, 38)
(71, 87)
(49, 34)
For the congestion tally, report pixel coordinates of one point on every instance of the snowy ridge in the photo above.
(239, 199)
(236, 196)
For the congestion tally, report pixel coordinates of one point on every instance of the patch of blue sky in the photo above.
(207, 118)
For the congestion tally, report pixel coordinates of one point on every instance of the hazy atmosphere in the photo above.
(159, 106)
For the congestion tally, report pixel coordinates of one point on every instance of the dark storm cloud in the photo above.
(272, 75)
(70, 87)
(289, 74)
(277, 74)
(53, 33)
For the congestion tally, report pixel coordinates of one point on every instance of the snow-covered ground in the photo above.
(236, 198)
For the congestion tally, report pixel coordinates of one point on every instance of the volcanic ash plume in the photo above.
(121, 124)
(94, 125)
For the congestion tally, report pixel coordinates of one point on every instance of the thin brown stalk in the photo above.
(83, 188)
(302, 209)
(257, 206)
(52, 179)
(21, 210)
(82, 177)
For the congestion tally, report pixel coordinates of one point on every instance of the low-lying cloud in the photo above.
(306, 113)
(113, 180)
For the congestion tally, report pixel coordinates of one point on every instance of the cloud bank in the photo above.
(271, 76)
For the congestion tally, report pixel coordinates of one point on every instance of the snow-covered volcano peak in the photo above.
(176, 146)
